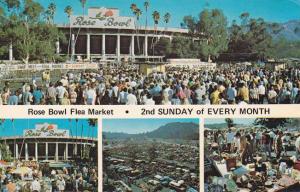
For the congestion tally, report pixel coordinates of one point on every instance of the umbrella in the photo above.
(22, 170)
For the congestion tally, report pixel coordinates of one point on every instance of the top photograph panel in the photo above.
(131, 52)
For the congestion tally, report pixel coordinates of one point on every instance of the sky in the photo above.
(133, 126)
(270, 10)
(244, 121)
(6, 129)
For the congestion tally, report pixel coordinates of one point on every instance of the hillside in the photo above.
(222, 125)
(186, 131)
(290, 30)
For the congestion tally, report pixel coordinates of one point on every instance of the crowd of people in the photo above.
(42, 178)
(274, 143)
(252, 159)
(126, 86)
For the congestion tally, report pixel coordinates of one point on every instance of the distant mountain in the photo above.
(178, 130)
(290, 30)
(222, 125)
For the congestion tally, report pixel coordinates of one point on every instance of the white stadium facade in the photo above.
(104, 35)
(47, 142)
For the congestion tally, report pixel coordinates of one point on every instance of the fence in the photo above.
(51, 66)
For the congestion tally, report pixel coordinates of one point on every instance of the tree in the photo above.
(32, 37)
(137, 13)
(167, 18)
(163, 47)
(211, 30)
(283, 48)
(182, 47)
(229, 122)
(271, 123)
(146, 6)
(5, 152)
(190, 23)
(252, 39)
(12, 4)
(93, 123)
(82, 2)
(50, 12)
(212, 27)
(69, 11)
(156, 18)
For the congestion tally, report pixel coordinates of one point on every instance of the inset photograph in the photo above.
(260, 154)
(151, 155)
(49, 155)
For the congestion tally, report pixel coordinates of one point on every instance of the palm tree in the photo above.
(146, 5)
(76, 137)
(93, 123)
(137, 13)
(52, 10)
(229, 122)
(15, 140)
(156, 18)
(133, 7)
(83, 2)
(69, 11)
(167, 18)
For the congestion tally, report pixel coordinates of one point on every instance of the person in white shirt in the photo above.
(166, 100)
(90, 95)
(35, 186)
(61, 184)
(261, 92)
(272, 96)
(64, 81)
(149, 100)
(123, 96)
(60, 92)
(131, 98)
(237, 142)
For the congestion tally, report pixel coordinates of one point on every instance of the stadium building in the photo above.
(104, 35)
(47, 142)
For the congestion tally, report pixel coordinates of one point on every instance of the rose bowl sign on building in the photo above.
(102, 18)
(46, 130)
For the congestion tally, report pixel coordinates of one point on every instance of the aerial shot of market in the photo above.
(252, 155)
(132, 52)
(46, 155)
(151, 155)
